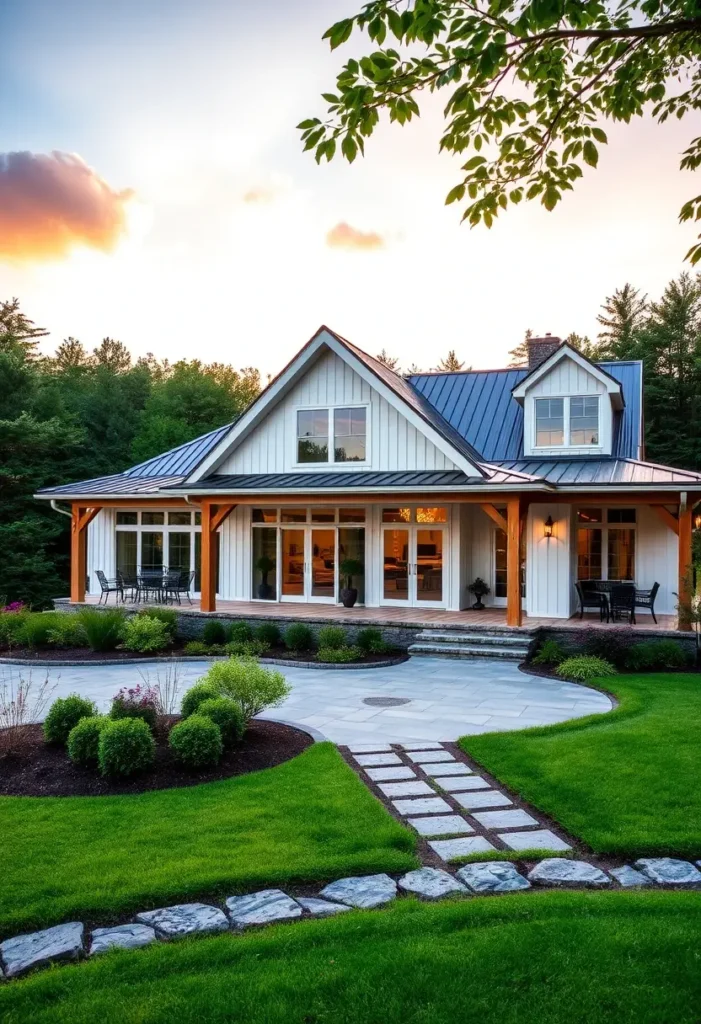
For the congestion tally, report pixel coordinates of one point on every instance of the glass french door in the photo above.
(413, 568)
(309, 562)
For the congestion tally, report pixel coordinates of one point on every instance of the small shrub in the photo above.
(196, 647)
(84, 740)
(103, 630)
(227, 714)
(196, 696)
(67, 631)
(240, 633)
(64, 714)
(269, 634)
(337, 655)
(584, 667)
(145, 634)
(298, 637)
(197, 741)
(165, 615)
(136, 702)
(214, 633)
(549, 653)
(251, 685)
(35, 628)
(126, 747)
(10, 627)
(331, 638)
(371, 641)
(652, 655)
(216, 649)
(245, 648)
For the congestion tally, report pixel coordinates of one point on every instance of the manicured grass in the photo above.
(93, 857)
(626, 783)
(546, 958)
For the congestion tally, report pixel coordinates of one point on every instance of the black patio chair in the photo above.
(151, 584)
(170, 585)
(108, 587)
(622, 601)
(646, 599)
(185, 584)
(130, 584)
(592, 598)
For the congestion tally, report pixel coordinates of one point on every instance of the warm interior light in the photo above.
(548, 527)
(697, 520)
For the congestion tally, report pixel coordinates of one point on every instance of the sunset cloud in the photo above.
(259, 195)
(343, 236)
(50, 203)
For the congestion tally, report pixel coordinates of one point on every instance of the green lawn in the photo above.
(626, 783)
(545, 958)
(94, 857)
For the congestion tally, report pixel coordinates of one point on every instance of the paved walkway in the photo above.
(444, 699)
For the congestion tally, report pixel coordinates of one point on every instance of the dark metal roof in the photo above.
(119, 483)
(181, 460)
(584, 471)
(480, 406)
(357, 480)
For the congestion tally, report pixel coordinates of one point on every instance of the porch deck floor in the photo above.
(430, 617)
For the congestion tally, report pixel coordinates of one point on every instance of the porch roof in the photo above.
(593, 472)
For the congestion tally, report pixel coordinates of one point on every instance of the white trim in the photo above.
(613, 387)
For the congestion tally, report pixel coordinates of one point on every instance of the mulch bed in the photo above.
(43, 770)
(62, 655)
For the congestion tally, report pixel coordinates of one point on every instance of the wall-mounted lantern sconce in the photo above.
(697, 520)
(548, 528)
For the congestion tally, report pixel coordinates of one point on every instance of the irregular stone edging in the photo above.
(22, 953)
(285, 662)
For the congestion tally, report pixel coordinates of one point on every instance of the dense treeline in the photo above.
(80, 414)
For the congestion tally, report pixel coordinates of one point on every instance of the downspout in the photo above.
(63, 511)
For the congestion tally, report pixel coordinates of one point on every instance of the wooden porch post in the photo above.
(212, 518)
(684, 591)
(80, 520)
(513, 562)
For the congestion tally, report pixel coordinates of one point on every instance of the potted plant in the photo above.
(264, 565)
(479, 588)
(350, 567)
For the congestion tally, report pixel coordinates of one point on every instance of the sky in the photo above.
(197, 227)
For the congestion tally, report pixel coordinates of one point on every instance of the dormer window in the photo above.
(567, 422)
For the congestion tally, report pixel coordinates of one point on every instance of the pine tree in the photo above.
(519, 355)
(17, 331)
(71, 354)
(391, 362)
(112, 354)
(451, 363)
(622, 317)
(582, 344)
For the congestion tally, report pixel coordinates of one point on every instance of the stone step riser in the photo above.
(455, 651)
(473, 639)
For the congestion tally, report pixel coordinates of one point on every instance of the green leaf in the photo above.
(590, 153)
(309, 123)
(349, 148)
(599, 135)
(455, 194)
(395, 23)
(473, 162)
(551, 197)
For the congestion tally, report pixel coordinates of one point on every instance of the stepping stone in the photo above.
(504, 819)
(376, 760)
(363, 891)
(493, 876)
(402, 771)
(556, 871)
(426, 745)
(415, 788)
(452, 768)
(185, 919)
(444, 825)
(628, 877)
(429, 805)
(321, 908)
(492, 798)
(431, 883)
(431, 757)
(467, 782)
(122, 936)
(262, 907)
(370, 748)
(62, 942)
(451, 849)
(538, 839)
(668, 871)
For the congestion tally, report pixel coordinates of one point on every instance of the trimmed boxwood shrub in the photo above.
(64, 714)
(167, 616)
(331, 638)
(196, 742)
(244, 648)
(227, 714)
(299, 637)
(338, 655)
(196, 647)
(240, 633)
(214, 633)
(652, 655)
(371, 641)
(145, 633)
(584, 667)
(126, 748)
(268, 633)
(195, 696)
(84, 740)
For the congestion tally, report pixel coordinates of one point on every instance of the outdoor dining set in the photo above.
(164, 586)
(615, 599)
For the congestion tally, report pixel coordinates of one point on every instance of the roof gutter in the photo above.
(63, 511)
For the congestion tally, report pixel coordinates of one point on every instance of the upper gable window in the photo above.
(567, 422)
(332, 435)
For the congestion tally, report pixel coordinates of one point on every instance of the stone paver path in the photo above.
(447, 699)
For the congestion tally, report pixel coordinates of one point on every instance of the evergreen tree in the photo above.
(71, 355)
(583, 345)
(451, 363)
(112, 354)
(391, 362)
(622, 317)
(17, 331)
(519, 355)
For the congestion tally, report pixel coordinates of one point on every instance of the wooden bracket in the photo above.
(667, 518)
(495, 515)
(218, 517)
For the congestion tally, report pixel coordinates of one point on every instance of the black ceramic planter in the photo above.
(349, 595)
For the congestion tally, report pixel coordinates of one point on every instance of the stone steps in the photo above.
(503, 645)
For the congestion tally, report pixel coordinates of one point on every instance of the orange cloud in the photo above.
(51, 203)
(259, 195)
(343, 236)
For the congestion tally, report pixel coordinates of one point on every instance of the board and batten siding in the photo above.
(101, 552)
(393, 442)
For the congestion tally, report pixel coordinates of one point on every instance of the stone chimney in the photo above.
(539, 349)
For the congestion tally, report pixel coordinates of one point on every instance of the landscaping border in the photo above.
(285, 662)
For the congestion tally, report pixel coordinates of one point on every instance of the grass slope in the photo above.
(625, 783)
(94, 857)
(541, 958)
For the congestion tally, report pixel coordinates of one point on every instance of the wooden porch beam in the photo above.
(685, 564)
(218, 517)
(495, 515)
(513, 562)
(212, 518)
(81, 517)
(667, 518)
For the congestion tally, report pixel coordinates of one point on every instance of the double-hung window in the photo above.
(549, 422)
(584, 420)
(332, 435)
(567, 422)
(606, 544)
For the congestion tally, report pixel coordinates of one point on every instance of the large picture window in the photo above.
(152, 540)
(332, 435)
(606, 544)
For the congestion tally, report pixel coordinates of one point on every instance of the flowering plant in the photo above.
(136, 702)
(14, 607)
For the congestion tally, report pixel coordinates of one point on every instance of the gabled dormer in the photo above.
(568, 402)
